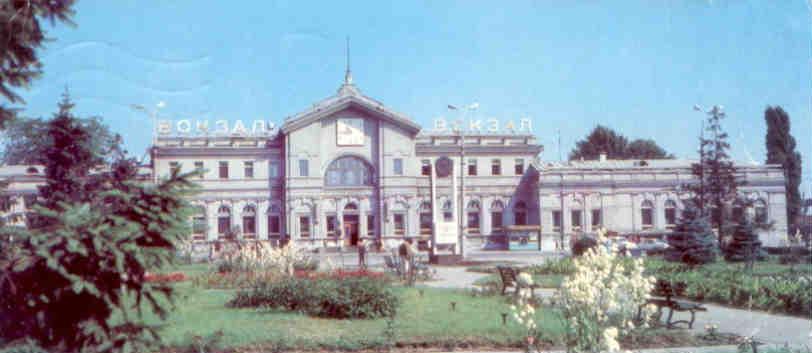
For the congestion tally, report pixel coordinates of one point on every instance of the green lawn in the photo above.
(427, 319)
(543, 281)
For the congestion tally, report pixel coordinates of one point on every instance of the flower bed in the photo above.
(358, 297)
(164, 278)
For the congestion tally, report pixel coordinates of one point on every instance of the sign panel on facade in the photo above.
(350, 132)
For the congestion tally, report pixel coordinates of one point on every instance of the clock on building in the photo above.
(350, 132)
(444, 166)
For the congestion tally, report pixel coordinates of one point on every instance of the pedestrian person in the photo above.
(362, 254)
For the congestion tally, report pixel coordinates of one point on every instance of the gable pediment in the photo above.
(349, 101)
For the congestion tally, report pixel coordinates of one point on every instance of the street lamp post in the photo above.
(153, 114)
(461, 134)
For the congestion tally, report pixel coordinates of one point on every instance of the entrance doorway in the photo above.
(351, 230)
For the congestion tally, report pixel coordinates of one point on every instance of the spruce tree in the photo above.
(21, 36)
(77, 284)
(717, 181)
(745, 245)
(692, 241)
(781, 150)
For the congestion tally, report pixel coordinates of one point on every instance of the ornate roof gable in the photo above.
(348, 96)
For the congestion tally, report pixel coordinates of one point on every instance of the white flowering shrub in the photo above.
(601, 299)
(258, 257)
(524, 313)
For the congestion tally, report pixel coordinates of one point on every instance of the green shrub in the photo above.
(781, 293)
(562, 266)
(348, 298)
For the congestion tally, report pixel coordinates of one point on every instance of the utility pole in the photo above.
(462, 218)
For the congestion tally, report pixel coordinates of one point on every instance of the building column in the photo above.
(262, 219)
(659, 211)
(211, 220)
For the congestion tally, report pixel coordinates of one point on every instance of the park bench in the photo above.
(667, 291)
(508, 275)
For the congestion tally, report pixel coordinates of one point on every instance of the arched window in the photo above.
(448, 214)
(760, 208)
(472, 212)
(32, 170)
(497, 208)
(576, 215)
(425, 218)
(274, 214)
(199, 222)
(647, 215)
(351, 208)
(520, 213)
(348, 171)
(670, 214)
(249, 221)
(223, 220)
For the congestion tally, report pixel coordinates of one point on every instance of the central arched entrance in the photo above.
(351, 223)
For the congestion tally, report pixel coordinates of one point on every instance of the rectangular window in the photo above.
(472, 167)
(331, 226)
(519, 166)
(425, 167)
(249, 226)
(174, 167)
(496, 167)
(273, 225)
(199, 168)
(274, 169)
(304, 226)
(5, 203)
(370, 225)
(556, 221)
(223, 170)
(425, 223)
(647, 218)
(473, 222)
(199, 224)
(223, 225)
(448, 216)
(249, 169)
(520, 218)
(496, 222)
(596, 219)
(576, 220)
(397, 166)
(670, 218)
(303, 168)
(29, 201)
(400, 224)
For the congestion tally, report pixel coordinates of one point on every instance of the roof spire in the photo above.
(348, 88)
(348, 72)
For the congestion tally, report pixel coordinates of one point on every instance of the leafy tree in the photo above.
(83, 262)
(781, 150)
(616, 146)
(693, 241)
(646, 149)
(26, 139)
(717, 183)
(21, 35)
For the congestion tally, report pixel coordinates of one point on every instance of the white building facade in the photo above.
(350, 168)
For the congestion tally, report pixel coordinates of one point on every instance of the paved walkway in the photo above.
(771, 328)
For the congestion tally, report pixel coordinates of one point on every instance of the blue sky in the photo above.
(636, 66)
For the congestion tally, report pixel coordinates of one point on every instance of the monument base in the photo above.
(445, 259)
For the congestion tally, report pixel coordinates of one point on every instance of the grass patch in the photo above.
(421, 320)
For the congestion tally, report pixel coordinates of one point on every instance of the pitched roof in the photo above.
(348, 96)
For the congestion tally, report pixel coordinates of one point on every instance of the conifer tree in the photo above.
(83, 263)
(781, 150)
(692, 241)
(745, 245)
(717, 181)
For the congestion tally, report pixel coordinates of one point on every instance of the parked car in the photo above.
(652, 246)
